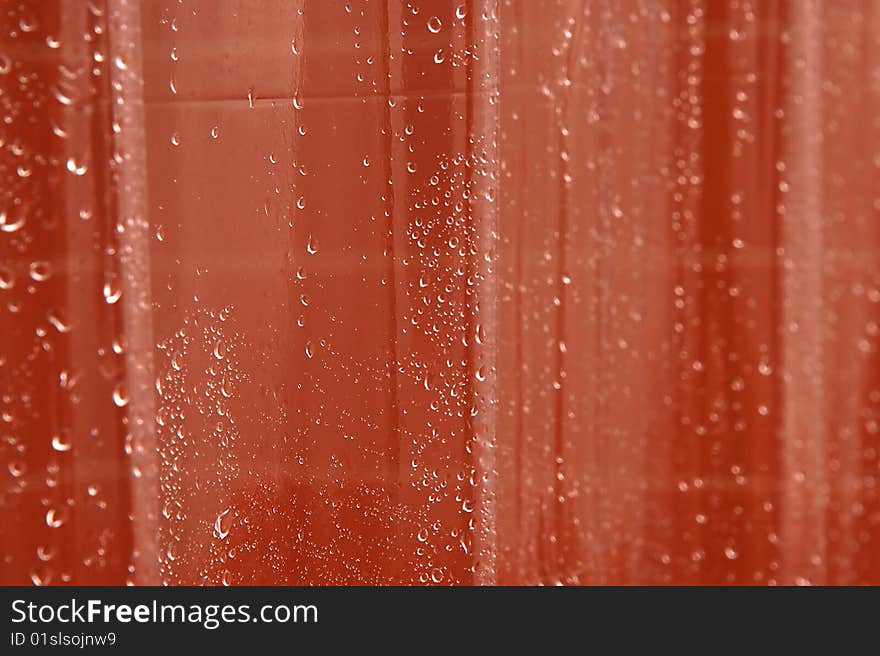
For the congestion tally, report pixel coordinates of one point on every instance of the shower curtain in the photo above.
(439, 292)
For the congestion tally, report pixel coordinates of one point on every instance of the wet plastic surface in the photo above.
(439, 292)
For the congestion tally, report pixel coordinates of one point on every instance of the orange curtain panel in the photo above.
(442, 292)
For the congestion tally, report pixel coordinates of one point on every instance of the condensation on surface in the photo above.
(439, 292)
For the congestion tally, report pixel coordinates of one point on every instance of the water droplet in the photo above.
(112, 291)
(61, 97)
(120, 396)
(222, 525)
(75, 168)
(434, 24)
(61, 442)
(40, 271)
(41, 576)
(55, 518)
(10, 226)
(45, 553)
(312, 245)
(58, 321)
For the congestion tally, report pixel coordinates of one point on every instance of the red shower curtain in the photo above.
(439, 291)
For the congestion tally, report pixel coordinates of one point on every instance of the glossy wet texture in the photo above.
(439, 292)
